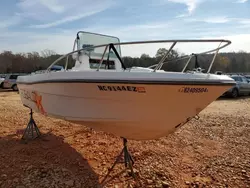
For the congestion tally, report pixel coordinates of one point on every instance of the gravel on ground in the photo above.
(213, 151)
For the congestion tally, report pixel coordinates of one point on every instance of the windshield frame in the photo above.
(115, 40)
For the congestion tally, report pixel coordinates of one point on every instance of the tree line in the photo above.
(34, 61)
(225, 62)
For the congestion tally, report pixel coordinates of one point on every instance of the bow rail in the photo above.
(162, 61)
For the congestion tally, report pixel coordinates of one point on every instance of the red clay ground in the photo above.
(213, 151)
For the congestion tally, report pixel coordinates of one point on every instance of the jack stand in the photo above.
(128, 160)
(31, 132)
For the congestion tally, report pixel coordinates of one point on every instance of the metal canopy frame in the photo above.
(162, 61)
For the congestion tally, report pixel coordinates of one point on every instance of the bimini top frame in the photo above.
(162, 61)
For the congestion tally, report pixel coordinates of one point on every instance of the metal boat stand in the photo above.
(128, 161)
(31, 132)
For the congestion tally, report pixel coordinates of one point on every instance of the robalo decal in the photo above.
(122, 88)
(34, 97)
(193, 90)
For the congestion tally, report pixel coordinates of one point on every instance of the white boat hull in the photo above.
(121, 109)
(132, 102)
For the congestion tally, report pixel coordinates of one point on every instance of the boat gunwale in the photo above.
(200, 82)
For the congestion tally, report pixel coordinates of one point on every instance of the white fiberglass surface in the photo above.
(116, 75)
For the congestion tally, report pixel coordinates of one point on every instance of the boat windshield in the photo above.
(87, 39)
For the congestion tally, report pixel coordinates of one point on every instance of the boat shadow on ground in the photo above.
(7, 90)
(45, 162)
(230, 98)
